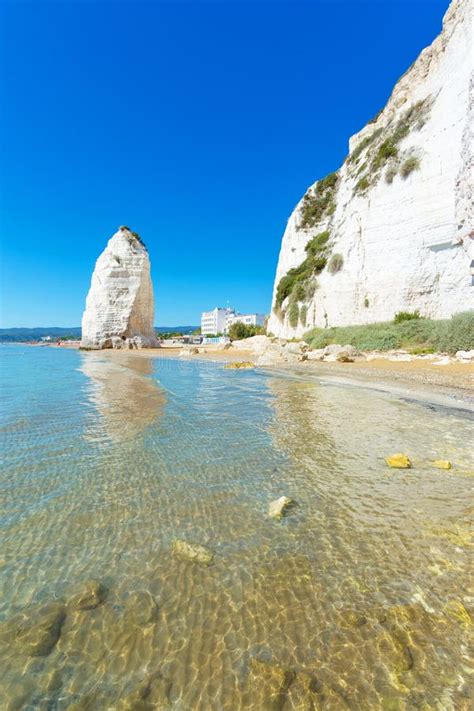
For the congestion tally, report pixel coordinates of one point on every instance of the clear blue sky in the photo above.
(199, 124)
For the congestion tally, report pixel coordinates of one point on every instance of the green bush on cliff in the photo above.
(319, 201)
(294, 314)
(299, 292)
(387, 149)
(317, 243)
(296, 281)
(409, 166)
(416, 334)
(390, 173)
(406, 316)
(135, 235)
(379, 152)
(303, 315)
(361, 185)
(335, 263)
(365, 143)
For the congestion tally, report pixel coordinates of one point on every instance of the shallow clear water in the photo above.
(357, 599)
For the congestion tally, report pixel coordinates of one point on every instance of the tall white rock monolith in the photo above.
(119, 306)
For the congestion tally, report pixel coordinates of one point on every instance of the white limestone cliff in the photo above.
(399, 212)
(119, 307)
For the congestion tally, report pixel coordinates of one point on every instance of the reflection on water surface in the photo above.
(127, 400)
(356, 600)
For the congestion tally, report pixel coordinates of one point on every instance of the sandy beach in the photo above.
(450, 384)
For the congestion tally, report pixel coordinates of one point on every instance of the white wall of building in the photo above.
(220, 320)
(214, 321)
(247, 319)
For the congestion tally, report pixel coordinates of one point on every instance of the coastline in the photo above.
(448, 385)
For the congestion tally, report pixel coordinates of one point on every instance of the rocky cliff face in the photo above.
(392, 229)
(119, 306)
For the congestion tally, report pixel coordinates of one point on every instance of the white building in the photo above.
(247, 319)
(220, 320)
(215, 321)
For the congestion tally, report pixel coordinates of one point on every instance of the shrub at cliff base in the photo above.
(419, 335)
(240, 330)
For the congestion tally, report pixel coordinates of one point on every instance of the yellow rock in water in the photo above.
(239, 364)
(398, 461)
(456, 610)
(442, 464)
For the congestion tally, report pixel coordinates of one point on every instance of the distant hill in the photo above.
(35, 334)
(18, 335)
(175, 329)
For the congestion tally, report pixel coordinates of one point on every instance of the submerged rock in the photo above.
(278, 508)
(352, 618)
(151, 695)
(398, 461)
(87, 596)
(35, 630)
(456, 610)
(141, 608)
(192, 552)
(273, 688)
(119, 307)
(269, 684)
(52, 681)
(442, 464)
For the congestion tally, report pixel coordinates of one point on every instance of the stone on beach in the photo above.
(278, 508)
(256, 344)
(344, 357)
(275, 354)
(442, 464)
(398, 461)
(188, 351)
(342, 354)
(296, 347)
(465, 356)
(192, 552)
(316, 354)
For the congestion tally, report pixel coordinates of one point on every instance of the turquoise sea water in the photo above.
(357, 599)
